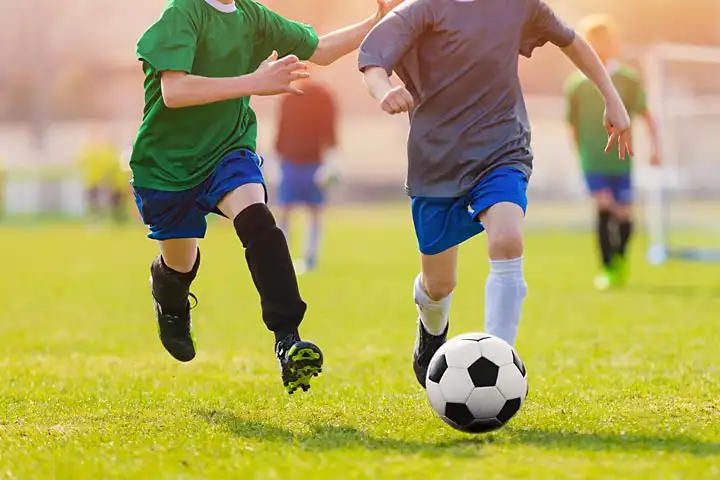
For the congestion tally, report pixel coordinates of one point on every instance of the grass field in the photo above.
(623, 384)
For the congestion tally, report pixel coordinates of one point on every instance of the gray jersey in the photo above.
(459, 60)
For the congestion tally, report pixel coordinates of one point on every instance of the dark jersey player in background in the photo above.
(195, 154)
(305, 143)
(469, 155)
(608, 178)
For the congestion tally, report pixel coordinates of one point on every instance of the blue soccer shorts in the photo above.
(182, 214)
(298, 184)
(620, 186)
(442, 223)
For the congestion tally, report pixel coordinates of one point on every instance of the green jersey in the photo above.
(584, 112)
(177, 149)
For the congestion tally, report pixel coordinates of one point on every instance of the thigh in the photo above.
(504, 185)
(236, 183)
(601, 189)
(622, 190)
(170, 215)
(179, 254)
(441, 223)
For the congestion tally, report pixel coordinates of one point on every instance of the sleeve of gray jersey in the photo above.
(394, 35)
(544, 26)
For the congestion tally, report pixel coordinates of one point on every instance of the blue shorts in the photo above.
(298, 184)
(182, 214)
(619, 185)
(442, 223)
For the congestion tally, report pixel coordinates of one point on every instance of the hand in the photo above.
(275, 76)
(397, 100)
(617, 124)
(385, 6)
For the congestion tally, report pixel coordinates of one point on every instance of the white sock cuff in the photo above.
(507, 267)
(422, 297)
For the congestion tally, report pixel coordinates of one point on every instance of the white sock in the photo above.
(433, 313)
(504, 294)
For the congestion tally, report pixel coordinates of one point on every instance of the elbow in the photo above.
(171, 100)
(322, 57)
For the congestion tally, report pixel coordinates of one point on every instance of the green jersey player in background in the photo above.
(195, 154)
(608, 178)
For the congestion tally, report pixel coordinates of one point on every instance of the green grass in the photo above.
(624, 384)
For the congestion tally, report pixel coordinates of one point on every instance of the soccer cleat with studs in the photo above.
(299, 361)
(426, 345)
(175, 331)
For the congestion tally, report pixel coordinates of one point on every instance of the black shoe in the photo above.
(175, 331)
(425, 347)
(299, 362)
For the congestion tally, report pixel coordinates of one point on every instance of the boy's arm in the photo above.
(288, 37)
(654, 132)
(385, 46)
(273, 77)
(335, 45)
(617, 120)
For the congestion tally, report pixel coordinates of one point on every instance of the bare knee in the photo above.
(439, 288)
(179, 255)
(623, 213)
(505, 244)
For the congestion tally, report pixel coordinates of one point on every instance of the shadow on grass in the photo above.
(330, 437)
(610, 442)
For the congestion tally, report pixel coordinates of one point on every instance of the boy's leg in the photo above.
(313, 236)
(505, 289)
(171, 275)
(271, 268)
(606, 227)
(432, 291)
(623, 214)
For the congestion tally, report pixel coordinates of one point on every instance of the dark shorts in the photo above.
(182, 214)
(298, 184)
(442, 223)
(619, 185)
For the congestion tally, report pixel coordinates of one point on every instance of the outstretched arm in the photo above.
(335, 45)
(273, 77)
(617, 120)
(654, 131)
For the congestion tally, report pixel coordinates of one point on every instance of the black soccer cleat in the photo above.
(425, 347)
(176, 331)
(300, 361)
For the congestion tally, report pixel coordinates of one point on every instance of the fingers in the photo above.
(612, 141)
(299, 76)
(293, 90)
(290, 60)
(397, 101)
(273, 56)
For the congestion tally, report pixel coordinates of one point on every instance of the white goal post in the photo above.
(682, 201)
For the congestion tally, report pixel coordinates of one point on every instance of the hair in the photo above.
(598, 24)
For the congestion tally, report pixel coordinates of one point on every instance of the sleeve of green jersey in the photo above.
(275, 32)
(169, 44)
(640, 98)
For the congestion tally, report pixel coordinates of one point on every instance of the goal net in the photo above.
(682, 197)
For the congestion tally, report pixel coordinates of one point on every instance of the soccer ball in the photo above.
(476, 382)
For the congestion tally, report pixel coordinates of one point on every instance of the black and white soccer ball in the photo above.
(476, 382)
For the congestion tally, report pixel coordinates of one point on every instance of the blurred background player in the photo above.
(609, 179)
(106, 181)
(306, 139)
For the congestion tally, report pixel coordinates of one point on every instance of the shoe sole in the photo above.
(306, 363)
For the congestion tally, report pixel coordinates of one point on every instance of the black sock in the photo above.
(605, 236)
(271, 268)
(625, 229)
(171, 288)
